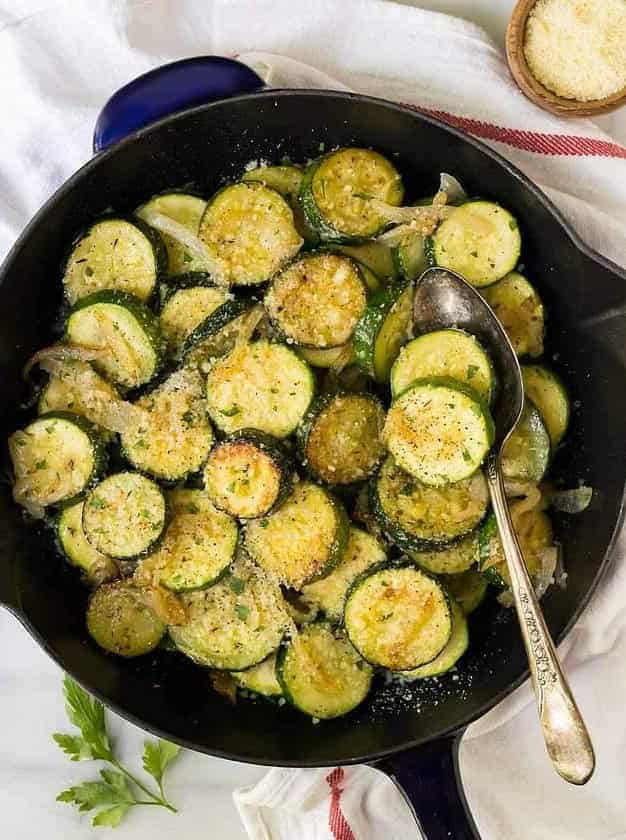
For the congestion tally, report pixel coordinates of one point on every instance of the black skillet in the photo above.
(404, 733)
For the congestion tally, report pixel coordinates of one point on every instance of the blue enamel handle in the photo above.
(169, 89)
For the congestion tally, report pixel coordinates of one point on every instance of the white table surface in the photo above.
(201, 786)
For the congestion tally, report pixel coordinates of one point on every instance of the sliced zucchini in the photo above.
(124, 331)
(480, 240)
(124, 516)
(534, 532)
(397, 617)
(468, 589)
(377, 256)
(317, 300)
(548, 394)
(384, 327)
(216, 335)
(411, 257)
(300, 610)
(336, 189)
(115, 254)
(249, 229)
(259, 385)
(286, 180)
(188, 300)
(422, 518)
(439, 430)
(79, 552)
(303, 540)
(452, 353)
(260, 679)
(362, 552)
(175, 439)
(56, 458)
(520, 310)
(450, 561)
(452, 652)
(336, 357)
(340, 437)
(526, 453)
(247, 474)
(233, 628)
(121, 622)
(61, 395)
(198, 547)
(187, 210)
(321, 674)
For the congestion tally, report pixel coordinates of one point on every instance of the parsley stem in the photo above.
(156, 800)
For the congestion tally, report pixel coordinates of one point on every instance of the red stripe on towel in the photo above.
(530, 141)
(337, 823)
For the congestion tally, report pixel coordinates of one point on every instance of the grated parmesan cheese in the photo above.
(577, 48)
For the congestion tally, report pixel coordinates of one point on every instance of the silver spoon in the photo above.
(443, 300)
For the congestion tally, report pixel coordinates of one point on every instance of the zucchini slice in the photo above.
(260, 679)
(336, 357)
(124, 331)
(480, 240)
(250, 230)
(452, 353)
(247, 474)
(439, 430)
(534, 532)
(452, 652)
(303, 540)
(450, 561)
(548, 394)
(422, 518)
(340, 438)
(411, 257)
(56, 458)
(216, 335)
(175, 439)
(336, 189)
(124, 516)
(321, 674)
(76, 548)
(468, 589)
(397, 617)
(259, 385)
(317, 300)
(286, 180)
(115, 254)
(526, 454)
(121, 622)
(187, 210)
(376, 256)
(384, 327)
(520, 310)
(198, 547)
(60, 395)
(188, 300)
(231, 627)
(362, 552)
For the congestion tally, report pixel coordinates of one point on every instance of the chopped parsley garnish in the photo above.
(472, 370)
(41, 465)
(467, 457)
(236, 584)
(230, 412)
(97, 503)
(242, 611)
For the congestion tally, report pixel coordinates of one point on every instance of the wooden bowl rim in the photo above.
(532, 88)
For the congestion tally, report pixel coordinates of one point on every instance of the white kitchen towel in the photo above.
(61, 61)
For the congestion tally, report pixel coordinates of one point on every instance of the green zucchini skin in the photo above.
(382, 305)
(469, 589)
(275, 451)
(531, 465)
(306, 427)
(174, 282)
(212, 325)
(549, 395)
(487, 532)
(146, 319)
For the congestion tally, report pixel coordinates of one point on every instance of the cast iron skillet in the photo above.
(403, 733)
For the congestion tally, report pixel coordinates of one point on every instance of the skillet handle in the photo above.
(169, 89)
(430, 781)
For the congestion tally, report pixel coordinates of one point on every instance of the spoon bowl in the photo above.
(444, 300)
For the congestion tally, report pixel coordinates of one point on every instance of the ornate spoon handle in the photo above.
(567, 740)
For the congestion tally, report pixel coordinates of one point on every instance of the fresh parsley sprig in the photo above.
(117, 789)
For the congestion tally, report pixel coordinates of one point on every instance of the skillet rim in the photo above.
(538, 195)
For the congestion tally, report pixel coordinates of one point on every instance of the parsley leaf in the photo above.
(230, 412)
(242, 611)
(156, 756)
(236, 584)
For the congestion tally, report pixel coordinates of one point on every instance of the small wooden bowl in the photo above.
(533, 89)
